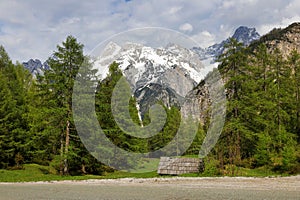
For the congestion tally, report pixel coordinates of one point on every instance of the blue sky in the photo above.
(33, 28)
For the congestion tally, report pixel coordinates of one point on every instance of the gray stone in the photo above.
(177, 166)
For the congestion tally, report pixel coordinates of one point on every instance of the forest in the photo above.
(262, 128)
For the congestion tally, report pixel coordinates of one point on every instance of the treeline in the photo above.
(262, 127)
(153, 144)
(36, 124)
(261, 130)
(36, 118)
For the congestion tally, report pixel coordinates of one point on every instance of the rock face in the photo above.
(169, 74)
(286, 40)
(246, 35)
(36, 67)
(154, 74)
(242, 34)
(148, 96)
(197, 103)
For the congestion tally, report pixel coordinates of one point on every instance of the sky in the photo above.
(33, 28)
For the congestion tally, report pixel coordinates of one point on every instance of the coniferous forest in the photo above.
(262, 127)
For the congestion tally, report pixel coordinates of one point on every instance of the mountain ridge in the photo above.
(242, 34)
(207, 55)
(36, 67)
(286, 40)
(170, 72)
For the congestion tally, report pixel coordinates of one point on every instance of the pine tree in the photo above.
(6, 107)
(294, 62)
(232, 68)
(15, 82)
(103, 103)
(57, 88)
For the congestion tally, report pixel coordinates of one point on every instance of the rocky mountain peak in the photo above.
(36, 67)
(242, 34)
(246, 35)
(286, 39)
(165, 73)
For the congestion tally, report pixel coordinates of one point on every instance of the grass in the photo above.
(258, 172)
(34, 172)
(148, 164)
(242, 172)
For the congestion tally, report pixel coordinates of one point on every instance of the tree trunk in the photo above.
(221, 160)
(61, 168)
(66, 167)
(83, 168)
(298, 114)
(297, 105)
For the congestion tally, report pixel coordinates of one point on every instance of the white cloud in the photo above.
(204, 39)
(174, 10)
(265, 28)
(186, 27)
(31, 29)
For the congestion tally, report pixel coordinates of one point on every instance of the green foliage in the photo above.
(115, 133)
(261, 124)
(54, 137)
(277, 34)
(262, 128)
(15, 84)
(211, 168)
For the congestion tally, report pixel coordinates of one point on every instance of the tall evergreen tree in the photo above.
(15, 82)
(57, 88)
(294, 62)
(232, 68)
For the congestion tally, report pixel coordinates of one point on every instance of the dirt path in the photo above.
(157, 188)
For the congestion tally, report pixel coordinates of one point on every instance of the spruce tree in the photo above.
(57, 87)
(232, 69)
(15, 82)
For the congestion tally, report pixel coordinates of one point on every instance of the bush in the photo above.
(55, 164)
(211, 167)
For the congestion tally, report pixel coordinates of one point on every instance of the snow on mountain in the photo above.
(165, 73)
(168, 72)
(143, 65)
(198, 101)
(36, 67)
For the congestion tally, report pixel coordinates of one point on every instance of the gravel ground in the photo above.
(157, 188)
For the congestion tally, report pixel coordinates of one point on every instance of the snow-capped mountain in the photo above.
(243, 34)
(144, 65)
(167, 73)
(36, 67)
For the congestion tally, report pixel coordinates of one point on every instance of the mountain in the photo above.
(36, 67)
(286, 40)
(242, 34)
(168, 73)
(246, 35)
(165, 74)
